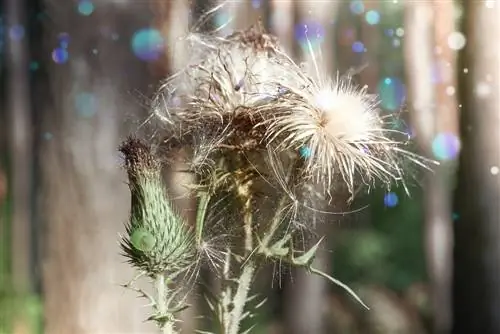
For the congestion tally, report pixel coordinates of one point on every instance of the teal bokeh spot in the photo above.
(305, 152)
(372, 17)
(85, 7)
(148, 44)
(34, 66)
(142, 240)
(86, 104)
(446, 146)
(357, 7)
(392, 93)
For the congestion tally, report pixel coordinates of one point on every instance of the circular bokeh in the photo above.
(148, 44)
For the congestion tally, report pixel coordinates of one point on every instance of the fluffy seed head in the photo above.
(337, 127)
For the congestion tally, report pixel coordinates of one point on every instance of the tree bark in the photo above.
(476, 290)
(20, 138)
(20, 129)
(85, 104)
(434, 112)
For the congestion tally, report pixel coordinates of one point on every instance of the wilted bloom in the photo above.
(246, 93)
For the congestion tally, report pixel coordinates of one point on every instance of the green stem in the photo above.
(166, 325)
(200, 215)
(241, 296)
(245, 280)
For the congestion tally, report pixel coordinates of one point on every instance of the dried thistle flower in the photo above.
(245, 114)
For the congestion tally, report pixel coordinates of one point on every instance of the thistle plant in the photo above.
(266, 139)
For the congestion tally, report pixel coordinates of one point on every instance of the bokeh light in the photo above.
(86, 104)
(2, 33)
(85, 7)
(34, 66)
(391, 199)
(63, 39)
(446, 146)
(392, 93)
(222, 19)
(148, 44)
(494, 170)
(16, 32)
(456, 40)
(309, 32)
(372, 17)
(482, 89)
(60, 55)
(305, 152)
(357, 7)
(358, 47)
(256, 4)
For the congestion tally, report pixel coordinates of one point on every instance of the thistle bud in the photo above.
(158, 240)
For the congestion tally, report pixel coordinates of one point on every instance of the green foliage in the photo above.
(390, 252)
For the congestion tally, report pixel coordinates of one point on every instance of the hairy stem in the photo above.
(241, 296)
(226, 294)
(166, 325)
(244, 281)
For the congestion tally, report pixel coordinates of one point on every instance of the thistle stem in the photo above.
(166, 325)
(241, 296)
(245, 280)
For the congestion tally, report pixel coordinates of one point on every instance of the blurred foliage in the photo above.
(13, 304)
(391, 251)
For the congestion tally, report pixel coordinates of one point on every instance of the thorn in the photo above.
(307, 258)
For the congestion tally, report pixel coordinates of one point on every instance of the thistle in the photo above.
(158, 243)
(264, 138)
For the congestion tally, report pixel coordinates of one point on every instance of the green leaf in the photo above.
(307, 258)
(339, 283)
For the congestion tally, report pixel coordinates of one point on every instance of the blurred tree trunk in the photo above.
(370, 34)
(476, 290)
(19, 129)
(305, 296)
(281, 17)
(430, 69)
(85, 105)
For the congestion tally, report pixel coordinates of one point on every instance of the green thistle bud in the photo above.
(158, 240)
